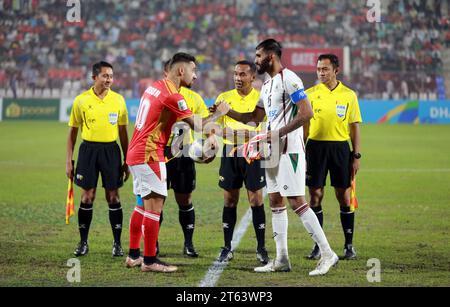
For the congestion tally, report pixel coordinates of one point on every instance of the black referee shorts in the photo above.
(324, 156)
(234, 171)
(95, 158)
(180, 173)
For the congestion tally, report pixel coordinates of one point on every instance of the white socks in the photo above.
(280, 229)
(311, 223)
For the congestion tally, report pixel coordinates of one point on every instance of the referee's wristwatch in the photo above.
(357, 155)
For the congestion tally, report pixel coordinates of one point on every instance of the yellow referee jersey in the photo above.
(99, 118)
(197, 106)
(240, 104)
(333, 112)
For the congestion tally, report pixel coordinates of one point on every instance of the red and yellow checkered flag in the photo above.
(353, 199)
(70, 208)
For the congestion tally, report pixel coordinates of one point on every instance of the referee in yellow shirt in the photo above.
(102, 116)
(235, 170)
(335, 122)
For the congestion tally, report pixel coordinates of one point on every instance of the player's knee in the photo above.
(255, 201)
(343, 198)
(183, 200)
(316, 197)
(230, 203)
(88, 197)
(185, 205)
(112, 198)
(231, 200)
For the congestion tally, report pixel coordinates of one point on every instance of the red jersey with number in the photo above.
(160, 107)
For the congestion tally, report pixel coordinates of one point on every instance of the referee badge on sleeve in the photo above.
(113, 118)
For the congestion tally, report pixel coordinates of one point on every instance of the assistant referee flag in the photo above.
(70, 208)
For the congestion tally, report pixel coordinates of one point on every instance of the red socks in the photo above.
(136, 227)
(151, 232)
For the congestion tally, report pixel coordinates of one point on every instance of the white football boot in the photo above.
(324, 265)
(275, 265)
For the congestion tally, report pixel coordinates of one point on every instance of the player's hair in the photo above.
(332, 57)
(248, 63)
(271, 45)
(181, 57)
(166, 65)
(97, 67)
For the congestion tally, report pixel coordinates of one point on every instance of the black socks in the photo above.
(186, 216)
(116, 220)
(348, 224)
(229, 221)
(259, 223)
(84, 220)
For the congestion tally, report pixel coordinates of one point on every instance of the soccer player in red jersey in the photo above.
(161, 105)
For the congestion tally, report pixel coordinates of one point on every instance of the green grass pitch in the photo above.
(403, 219)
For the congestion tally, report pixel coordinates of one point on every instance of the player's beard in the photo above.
(264, 66)
(187, 85)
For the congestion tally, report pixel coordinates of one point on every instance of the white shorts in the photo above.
(147, 179)
(289, 177)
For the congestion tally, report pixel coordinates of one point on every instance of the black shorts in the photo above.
(235, 170)
(180, 173)
(96, 157)
(324, 156)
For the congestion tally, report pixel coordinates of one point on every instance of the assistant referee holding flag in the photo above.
(336, 121)
(102, 116)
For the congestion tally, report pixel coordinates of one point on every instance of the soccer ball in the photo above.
(202, 150)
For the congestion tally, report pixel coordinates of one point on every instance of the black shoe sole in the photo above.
(347, 258)
(189, 254)
(80, 255)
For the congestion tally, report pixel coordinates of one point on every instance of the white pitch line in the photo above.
(216, 269)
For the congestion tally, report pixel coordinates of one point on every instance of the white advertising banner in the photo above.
(65, 107)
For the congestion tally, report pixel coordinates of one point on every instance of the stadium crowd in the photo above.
(44, 53)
